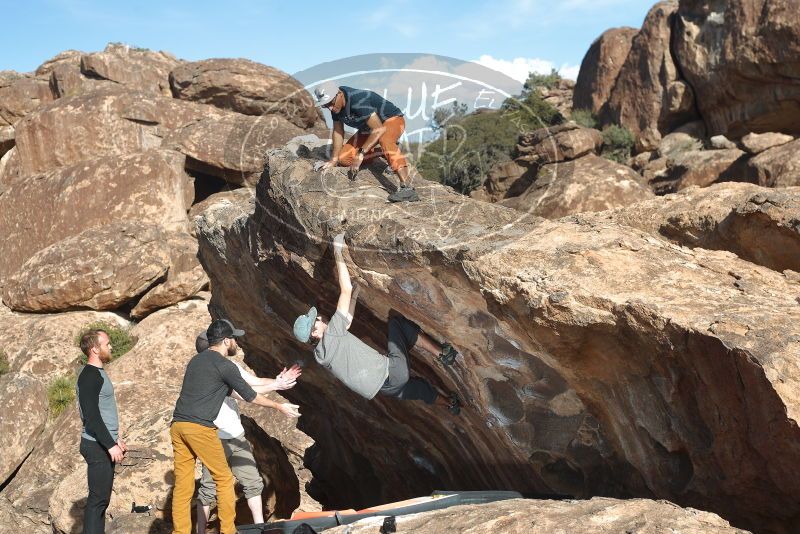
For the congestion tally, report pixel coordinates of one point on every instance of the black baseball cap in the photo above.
(220, 329)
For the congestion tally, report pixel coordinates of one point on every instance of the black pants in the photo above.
(402, 338)
(100, 474)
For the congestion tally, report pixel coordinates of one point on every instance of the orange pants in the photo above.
(191, 441)
(395, 126)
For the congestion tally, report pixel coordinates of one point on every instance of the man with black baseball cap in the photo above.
(208, 379)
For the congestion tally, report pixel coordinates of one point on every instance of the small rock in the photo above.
(720, 142)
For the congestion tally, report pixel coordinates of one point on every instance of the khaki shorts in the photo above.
(239, 454)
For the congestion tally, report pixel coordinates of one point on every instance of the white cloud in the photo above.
(519, 67)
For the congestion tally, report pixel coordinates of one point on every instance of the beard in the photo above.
(232, 350)
(105, 357)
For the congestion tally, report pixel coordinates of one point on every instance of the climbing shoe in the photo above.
(448, 354)
(455, 404)
(404, 194)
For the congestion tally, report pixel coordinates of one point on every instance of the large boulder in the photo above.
(20, 94)
(138, 68)
(232, 146)
(150, 187)
(10, 170)
(101, 123)
(246, 87)
(185, 277)
(597, 359)
(6, 139)
(100, 268)
(701, 168)
(600, 68)
(517, 516)
(44, 345)
(22, 418)
(757, 143)
(590, 183)
(557, 143)
(777, 167)
(757, 224)
(649, 98)
(496, 185)
(741, 59)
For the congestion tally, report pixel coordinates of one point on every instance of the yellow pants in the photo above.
(191, 441)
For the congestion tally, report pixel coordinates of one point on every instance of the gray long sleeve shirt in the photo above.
(97, 406)
(209, 378)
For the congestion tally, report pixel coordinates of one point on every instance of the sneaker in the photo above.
(404, 194)
(455, 404)
(448, 354)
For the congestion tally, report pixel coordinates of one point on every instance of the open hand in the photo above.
(287, 378)
(328, 165)
(289, 410)
(357, 161)
(116, 453)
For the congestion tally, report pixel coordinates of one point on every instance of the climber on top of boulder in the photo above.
(359, 366)
(378, 121)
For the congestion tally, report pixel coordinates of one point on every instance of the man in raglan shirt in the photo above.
(238, 451)
(100, 443)
(209, 378)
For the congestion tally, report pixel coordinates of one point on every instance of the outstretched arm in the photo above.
(337, 139)
(345, 286)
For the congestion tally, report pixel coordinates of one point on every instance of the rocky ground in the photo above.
(627, 328)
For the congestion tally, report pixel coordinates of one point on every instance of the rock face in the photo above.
(557, 143)
(150, 187)
(501, 177)
(559, 96)
(777, 167)
(757, 224)
(141, 69)
(19, 95)
(741, 59)
(700, 168)
(597, 358)
(649, 98)
(757, 143)
(24, 413)
(246, 87)
(600, 68)
(100, 268)
(590, 183)
(518, 516)
(185, 277)
(52, 483)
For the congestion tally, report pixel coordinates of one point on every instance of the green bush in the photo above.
(121, 339)
(530, 112)
(548, 81)
(617, 143)
(4, 365)
(583, 117)
(60, 394)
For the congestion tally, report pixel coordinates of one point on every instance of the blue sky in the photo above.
(515, 35)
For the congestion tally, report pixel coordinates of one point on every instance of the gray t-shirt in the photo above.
(359, 366)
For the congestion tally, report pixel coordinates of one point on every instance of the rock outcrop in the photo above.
(19, 95)
(517, 516)
(600, 68)
(496, 185)
(24, 414)
(777, 167)
(100, 268)
(701, 168)
(597, 358)
(246, 87)
(758, 143)
(741, 59)
(557, 143)
(589, 183)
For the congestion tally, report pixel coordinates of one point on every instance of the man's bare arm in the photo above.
(337, 136)
(377, 129)
(287, 409)
(343, 275)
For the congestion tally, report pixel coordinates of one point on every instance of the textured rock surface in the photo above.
(100, 268)
(232, 146)
(597, 358)
(246, 87)
(139, 69)
(757, 143)
(518, 516)
(757, 224)
(43, 345)
(6, 139)
(501, 177)
(102, 123)
(20, 94)
(557, 143)
(22, 418)
(590, 183)
(676, 143)
(649, 98)
(185, 277)
(777, 167)
(223, 197)
(150, 187)
(741, 58)
(559, 96)
(600, 68)
(51, 485)
(700, 168)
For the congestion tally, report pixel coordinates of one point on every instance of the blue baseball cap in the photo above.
(304, 324)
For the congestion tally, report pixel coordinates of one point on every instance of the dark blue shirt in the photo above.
(359, 104)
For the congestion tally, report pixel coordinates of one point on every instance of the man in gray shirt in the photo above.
(209, 378)
(100, 443)
(359, 366)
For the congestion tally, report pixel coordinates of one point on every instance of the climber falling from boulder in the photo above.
(359, 366)
(379, 123)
